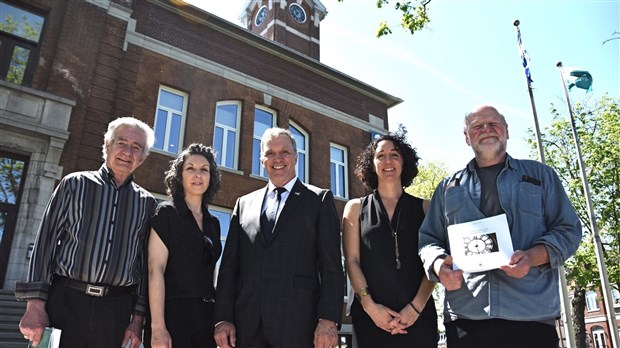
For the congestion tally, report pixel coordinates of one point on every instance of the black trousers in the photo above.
(88, 321)
(498, 333)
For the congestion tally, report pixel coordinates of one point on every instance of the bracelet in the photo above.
(415, 309)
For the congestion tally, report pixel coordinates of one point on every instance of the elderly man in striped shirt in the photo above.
(87, 275)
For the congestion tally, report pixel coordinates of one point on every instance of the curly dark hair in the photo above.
(174, 175)
(365, 168)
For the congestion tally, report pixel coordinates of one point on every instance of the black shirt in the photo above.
(187, 275)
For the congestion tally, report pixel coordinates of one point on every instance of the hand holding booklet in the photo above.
(50, 339)
(480, 245)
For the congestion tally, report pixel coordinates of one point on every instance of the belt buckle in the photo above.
(95, 290)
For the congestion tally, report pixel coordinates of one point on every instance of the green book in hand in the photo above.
(50, 338)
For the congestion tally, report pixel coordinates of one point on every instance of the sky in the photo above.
(468, 56)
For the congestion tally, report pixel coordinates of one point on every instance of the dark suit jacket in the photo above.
(288, 283)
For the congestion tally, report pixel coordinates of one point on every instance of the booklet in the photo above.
(50, 339)
(480, 245)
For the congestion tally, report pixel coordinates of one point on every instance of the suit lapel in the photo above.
(251, 219)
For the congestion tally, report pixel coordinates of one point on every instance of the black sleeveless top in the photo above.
(187, 274)
(390, 286)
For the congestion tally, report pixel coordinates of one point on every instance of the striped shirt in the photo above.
(92, 231)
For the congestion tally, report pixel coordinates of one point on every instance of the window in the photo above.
(170, 120)
(301, 140)
(225, 135)
(223, 215)
(598, 336)
(591, 301)
(263, 118)
(338, 170)
(20, 34)
(615, 295)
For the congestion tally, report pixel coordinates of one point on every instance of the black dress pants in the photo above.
(498, 333)
(88, 321)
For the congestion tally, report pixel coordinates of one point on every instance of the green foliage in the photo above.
(11, 171)
(413, 16)
(429, 176)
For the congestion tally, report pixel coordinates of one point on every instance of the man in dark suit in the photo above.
(281, 283)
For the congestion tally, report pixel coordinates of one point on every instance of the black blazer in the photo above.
(289, 283)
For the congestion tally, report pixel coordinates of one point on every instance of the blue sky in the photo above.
(466, 57)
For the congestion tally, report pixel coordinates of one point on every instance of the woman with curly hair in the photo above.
(393, 305)
(183, 249)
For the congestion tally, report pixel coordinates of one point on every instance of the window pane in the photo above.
(224, 219)
(227, 115)
(171, 100)
(341, 181)
(160, 129)
(230, 149)
(332, 177)
(17, 66)
(218, 138)
(175, 133)
(256, 157)
(262, 121)
(10, 178)
(21, 23)
(301, 166)
(3, 217)
(299, 138)
(336, 154)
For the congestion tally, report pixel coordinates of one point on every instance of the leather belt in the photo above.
(92, 289)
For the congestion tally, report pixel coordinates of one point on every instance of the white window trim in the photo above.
(346, 169)
(274, 114)
(169, 120)
(226, 129)
(306, 152)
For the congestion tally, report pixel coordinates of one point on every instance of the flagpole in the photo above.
(541, 153)
(598, 246)
(567, 320)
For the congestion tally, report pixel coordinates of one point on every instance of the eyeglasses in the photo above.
(209, 253)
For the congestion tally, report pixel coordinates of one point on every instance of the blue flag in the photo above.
(525, 57)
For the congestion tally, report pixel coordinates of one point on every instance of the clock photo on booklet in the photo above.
(480, 245)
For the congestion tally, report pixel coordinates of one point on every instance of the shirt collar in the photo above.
(107, 174)
(288, 186)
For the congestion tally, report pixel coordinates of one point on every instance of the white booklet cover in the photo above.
(480, 245)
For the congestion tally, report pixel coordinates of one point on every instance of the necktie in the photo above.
(268, 217)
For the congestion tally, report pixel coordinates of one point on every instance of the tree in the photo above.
(429, 176)
(598, 128)
(413, 16)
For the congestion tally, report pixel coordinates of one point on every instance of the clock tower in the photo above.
(292, 23)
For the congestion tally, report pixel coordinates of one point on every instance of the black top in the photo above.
(489, 196)
(388, 285)
(187, 274)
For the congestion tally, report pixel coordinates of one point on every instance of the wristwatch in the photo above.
(363, 292)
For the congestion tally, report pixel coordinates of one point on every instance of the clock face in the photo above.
(297, 12)
(260, 16)
(479, 244)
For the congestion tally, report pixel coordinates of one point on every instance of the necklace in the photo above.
(394, 231)
(395, 236)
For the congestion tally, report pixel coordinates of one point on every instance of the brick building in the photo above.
(595, 315)
(67, 68)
